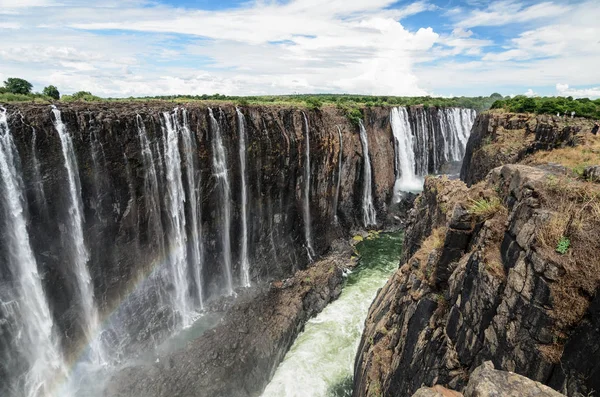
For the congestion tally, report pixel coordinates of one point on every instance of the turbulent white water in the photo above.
(336, 197)
(79, 254)
(23, 301)
(307, 220)
(222, 174)
(404, 161)
(175, 207)
(322, 357)
(369, 215)
(245, 264)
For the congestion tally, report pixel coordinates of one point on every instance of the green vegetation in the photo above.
(563, 245)
(17, 86)
(52, 92)
(583, 107)
(81, 96)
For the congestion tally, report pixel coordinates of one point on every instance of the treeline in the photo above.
(581, 107)
(317, 100)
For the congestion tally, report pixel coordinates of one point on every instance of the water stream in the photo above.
(321, 360)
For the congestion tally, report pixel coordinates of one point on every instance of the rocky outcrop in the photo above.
(238, 357)
(507, 138)
(485, 381)
(482, 279)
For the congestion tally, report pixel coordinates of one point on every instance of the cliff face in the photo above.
(126, 219)
(482, 279)
(507, 138)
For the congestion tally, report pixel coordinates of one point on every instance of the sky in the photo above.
(123, 48)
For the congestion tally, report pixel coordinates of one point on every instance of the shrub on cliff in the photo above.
(52, 92)
(18, 86)
(81, 96)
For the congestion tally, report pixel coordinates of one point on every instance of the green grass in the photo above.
(484, 208)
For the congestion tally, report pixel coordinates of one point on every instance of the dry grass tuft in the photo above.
(484, 208)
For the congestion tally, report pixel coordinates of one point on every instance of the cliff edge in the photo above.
(506, 270)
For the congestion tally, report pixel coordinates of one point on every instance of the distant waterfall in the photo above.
(404, 161)
(245, 264)
(222, 174)
(22, 300)
(369, 215)
(79, 253)
(307, 227)
(425, 140)
(336, 197)
(175, 207)
(192, 178)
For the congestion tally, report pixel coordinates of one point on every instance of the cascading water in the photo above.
(175, 207)
(222, 174)
(306, 213)
(78, 251)
(369, 215)
(193, 183)
(336, 197)
(404, 160)
(35, 356)
(321, 360)
(245, 264)
(424, 141)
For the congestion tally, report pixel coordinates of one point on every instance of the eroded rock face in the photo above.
(507, 138)
(478, 284)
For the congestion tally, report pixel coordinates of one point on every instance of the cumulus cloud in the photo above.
(565, 90)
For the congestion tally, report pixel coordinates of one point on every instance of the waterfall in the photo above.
(339, 177)
(426, 139)
(307, 227)
(175, 207)
(245, 265)
(34, 358)
(222, 174)
(196, 249)
(369, 215)
(404, 160)
(79, 254)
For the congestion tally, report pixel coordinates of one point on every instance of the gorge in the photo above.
(125, 223)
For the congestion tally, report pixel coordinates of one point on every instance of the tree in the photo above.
(18, 86)
(495, 95)
(52, 92)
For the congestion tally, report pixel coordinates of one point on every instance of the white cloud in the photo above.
(565, 90)
(509, 12)
(530, 93)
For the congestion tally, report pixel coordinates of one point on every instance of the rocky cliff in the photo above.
(123, 220)
(506, 270)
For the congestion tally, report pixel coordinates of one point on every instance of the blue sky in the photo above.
(382, 47)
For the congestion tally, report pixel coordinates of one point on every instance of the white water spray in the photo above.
(339, 177)
(222, 174)
(369, 215)
(307, 220)
(175, 207)
(23, 300)
(79, 252)
(404, 160)
(245, 264)
(193, 182)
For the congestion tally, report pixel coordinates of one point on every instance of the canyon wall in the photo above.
(126, 218)
(505, 271)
